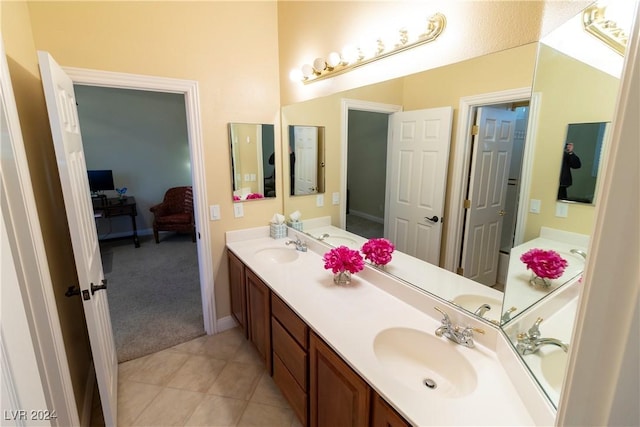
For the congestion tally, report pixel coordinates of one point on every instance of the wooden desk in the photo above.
(108, 208)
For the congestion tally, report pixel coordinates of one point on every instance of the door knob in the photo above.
(501, 212)
(432, 219)
(95, 288)
(72, 291)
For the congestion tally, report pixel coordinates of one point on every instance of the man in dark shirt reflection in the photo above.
(569, 161)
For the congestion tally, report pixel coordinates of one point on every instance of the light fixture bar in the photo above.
(323, 69)
(606, 30)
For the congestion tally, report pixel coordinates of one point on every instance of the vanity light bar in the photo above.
(606, 30)
(352, 57)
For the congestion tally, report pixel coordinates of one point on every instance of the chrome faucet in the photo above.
(530, 342)
(480, 311)
(300, 245)
(580, 252)
(506, 316)
(459, 335)
(323, 236)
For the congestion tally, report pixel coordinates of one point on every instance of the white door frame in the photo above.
(355, 104)
(454, 219)
(189, 88)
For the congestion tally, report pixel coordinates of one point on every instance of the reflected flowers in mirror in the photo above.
(544, 265)
(343, 262)
(379, 251)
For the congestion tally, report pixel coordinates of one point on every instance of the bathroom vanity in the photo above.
(367, 353)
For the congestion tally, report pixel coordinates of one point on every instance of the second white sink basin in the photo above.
(277, 255)
(471, 302)
(420, 360)
(553, 366)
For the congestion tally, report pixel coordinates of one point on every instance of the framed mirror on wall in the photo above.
(306, 160)
(580, 165)
(253, 173)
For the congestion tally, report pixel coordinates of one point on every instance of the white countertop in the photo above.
(349, 318)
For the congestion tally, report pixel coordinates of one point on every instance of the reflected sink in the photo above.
(277, 255)
(339, 241)
(412, 357)
(472, 302)
(553, 365)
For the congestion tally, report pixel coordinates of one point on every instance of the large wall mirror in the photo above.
(252, 161)
(568, 88)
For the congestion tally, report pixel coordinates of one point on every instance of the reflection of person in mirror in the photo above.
(569, 161)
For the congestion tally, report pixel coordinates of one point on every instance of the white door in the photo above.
(63, 118)
(491, 156)
(417, 174)
(305, 139)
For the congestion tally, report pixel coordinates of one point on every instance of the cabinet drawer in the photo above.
(295, 395)
(290, 353)
(290, 320)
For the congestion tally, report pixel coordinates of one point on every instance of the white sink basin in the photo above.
(553, 366)
(471, 302)
(277, 255)
(414, 358)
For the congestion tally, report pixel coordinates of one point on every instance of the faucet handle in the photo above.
(534, 330)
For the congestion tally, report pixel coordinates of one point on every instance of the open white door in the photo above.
(65, 129)
(491, 157)
(305, 139)
(417, 163)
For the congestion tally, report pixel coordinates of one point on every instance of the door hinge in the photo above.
(475, 130)
(467, 204)
(460, 271)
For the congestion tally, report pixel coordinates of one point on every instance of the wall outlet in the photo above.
(562, 209)
(214, 211)
(320, 200)
(534, 206)
(238, 210)
(335, 198)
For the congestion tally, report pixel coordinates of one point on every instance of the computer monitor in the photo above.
(100, 180)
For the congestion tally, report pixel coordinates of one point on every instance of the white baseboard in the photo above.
(226, 323)
(366, 216)
(87, 404)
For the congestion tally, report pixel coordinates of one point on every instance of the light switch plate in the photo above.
(238, 210)
(534, 206)
(214, 210)
(562, 209)
(335, 198)
(320, 200)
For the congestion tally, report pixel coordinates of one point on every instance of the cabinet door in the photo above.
(384, 415)
(237, 292)
(259, 313)
(338, 396)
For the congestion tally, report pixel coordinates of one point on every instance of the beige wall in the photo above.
(34, 123)
(593, 98)
(230, 48)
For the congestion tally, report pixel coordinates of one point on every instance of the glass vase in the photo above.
(342, 278)
(540, 282)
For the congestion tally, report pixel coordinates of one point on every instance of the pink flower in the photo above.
(378, 251)
(546, 264)
(343, 259)
(254, 196)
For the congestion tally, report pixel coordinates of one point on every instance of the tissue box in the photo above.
(297, 225)
(278, 231)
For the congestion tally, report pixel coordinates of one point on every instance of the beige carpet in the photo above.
(154, 293)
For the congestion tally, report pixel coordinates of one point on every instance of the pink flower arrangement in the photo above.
(378, 251)
(546, 264)
(343, 259)
(254, 196)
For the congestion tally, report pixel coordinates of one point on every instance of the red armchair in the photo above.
(175, 213)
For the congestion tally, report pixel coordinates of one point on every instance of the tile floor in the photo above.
(215, 380)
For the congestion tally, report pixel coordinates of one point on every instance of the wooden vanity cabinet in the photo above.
(238, 292)
(338, 395)
(259, 316)
(383, 415)
(290, 341)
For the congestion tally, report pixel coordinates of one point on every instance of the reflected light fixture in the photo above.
(356, 56)
(596, 22)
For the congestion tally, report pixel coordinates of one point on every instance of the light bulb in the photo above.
(350, 54)
(333, 60)
(319, 65)
(307, 71)
(295, 75)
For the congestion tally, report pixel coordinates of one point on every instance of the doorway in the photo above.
(188, 89)
(154, 289)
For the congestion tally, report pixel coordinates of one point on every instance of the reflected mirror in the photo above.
(252, 161)
(581, 162)
(306, 160)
